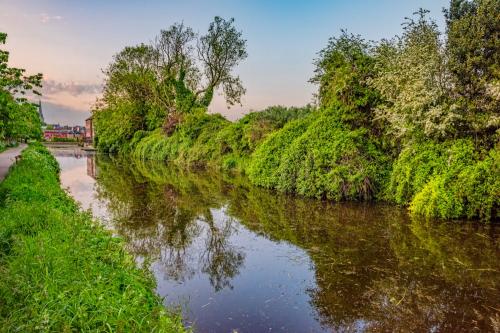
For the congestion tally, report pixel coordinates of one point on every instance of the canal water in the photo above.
(236, 258)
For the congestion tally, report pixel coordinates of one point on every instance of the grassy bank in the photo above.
(59, 270)
(313, 153)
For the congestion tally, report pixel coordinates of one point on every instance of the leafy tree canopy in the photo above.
(19, 118)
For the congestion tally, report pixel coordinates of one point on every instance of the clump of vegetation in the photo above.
(210, 140)
(19, 119)
(447, 180)
(265, 162)
(320, 157)
(61, 271)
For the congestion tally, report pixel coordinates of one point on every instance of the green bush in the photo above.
(320, 157)
(202, 139)
(61, 271)
(265, 161)
(446, 180)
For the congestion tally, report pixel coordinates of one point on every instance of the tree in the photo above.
(178, 73)
(473, 50)
(220, 50)
(17, 120)
(414, 84)
(343, 70)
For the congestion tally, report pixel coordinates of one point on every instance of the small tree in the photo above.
(343, 70)
(16, 113)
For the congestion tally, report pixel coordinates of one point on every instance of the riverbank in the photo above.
(61, 271)
(314, 153)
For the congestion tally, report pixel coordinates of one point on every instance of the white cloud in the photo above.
(46, 18)
(73, 88)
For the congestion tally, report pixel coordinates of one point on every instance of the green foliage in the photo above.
(326, 159)
(115, 126)
(447, 180)
(202, 140)
(61, 271)
(264, 166)
(19, 119)
(150, 86)
(473, 49)
(343, 71)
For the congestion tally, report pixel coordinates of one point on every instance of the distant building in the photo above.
(64, 132)
(89, 130)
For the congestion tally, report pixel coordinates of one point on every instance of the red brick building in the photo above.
(89, 130)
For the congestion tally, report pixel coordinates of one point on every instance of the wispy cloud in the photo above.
(77, 96)
(51, 87)
(46, 18)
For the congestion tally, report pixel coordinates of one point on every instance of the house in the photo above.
(89, 130)
(55, 131)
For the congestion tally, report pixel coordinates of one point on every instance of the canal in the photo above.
(236, 258)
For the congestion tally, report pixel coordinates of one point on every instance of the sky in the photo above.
(71, 42)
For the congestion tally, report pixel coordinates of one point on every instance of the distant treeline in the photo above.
(412, 120)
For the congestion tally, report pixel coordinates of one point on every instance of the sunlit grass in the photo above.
(61, 271)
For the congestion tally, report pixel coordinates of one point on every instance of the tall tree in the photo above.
(412, 78)
(473, 49)
(157, 84)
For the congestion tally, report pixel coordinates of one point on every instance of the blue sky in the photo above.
(71, 41)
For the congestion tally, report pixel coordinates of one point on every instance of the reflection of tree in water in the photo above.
(378, 271)
(375, 269)
(162, 221)
(220, 260)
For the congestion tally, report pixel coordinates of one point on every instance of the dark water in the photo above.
(235, 257)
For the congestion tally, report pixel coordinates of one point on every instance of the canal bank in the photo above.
(61, 271)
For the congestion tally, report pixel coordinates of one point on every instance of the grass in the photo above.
(59, 269)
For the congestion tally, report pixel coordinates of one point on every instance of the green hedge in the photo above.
(447, 180)
(60, 270)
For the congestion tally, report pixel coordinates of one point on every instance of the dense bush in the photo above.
(447, 180)
(265, 162)
(320, 157)
(60, 271)
(203, 139)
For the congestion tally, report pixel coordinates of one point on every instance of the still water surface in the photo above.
(234, 257)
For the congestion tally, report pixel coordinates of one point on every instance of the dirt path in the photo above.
(7, 158)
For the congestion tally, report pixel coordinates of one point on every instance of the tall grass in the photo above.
(61, 271)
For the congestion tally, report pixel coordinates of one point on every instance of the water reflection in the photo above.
(239, 257)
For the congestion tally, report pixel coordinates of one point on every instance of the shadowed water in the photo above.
(235, 257)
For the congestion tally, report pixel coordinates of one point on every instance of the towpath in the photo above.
(7, 158)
